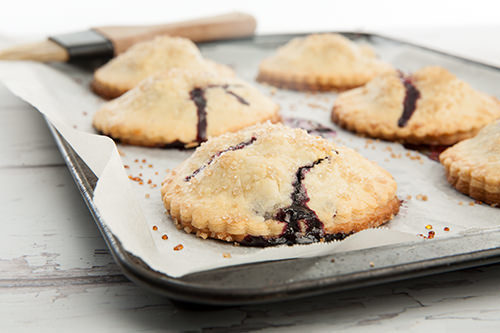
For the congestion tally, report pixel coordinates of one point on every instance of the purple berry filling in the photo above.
(410, 101)
(198, 97)
(302, 225)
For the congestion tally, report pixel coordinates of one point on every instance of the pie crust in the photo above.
(183, 108)
(146, 58)
(269, 185)
(473, 165)
(431, 107)
(321, 62)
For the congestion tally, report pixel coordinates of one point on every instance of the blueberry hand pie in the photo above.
(473, 165)
(270, 184)
(431, 106)
(144, 59)
(321, 62)
(181, 107)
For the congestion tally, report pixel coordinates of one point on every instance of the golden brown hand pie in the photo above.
(181, 107)
(431, 106)
(144, 59)
(270, 184)
(321, 62)
(473, 165)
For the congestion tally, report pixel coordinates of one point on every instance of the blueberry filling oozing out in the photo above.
(302, 225)
(198, 97)
(432, 152)
(238, 146)
(410, 100)
(310, 126)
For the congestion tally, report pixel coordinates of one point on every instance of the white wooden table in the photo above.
(56, 273)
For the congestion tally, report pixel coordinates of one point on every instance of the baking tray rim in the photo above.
(188, 291)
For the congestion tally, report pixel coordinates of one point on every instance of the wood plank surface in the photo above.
(56, 274)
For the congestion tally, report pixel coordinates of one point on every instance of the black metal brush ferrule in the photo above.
(85, 45)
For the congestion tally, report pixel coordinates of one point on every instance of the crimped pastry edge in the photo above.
(462, 180)
(107, 91)
(433, 140)
(183, 221)
(126, 136)
(310, 82)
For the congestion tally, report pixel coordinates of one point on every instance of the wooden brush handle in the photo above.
(232, 25)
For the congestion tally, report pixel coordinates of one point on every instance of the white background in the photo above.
(468, 28)
(52, 16)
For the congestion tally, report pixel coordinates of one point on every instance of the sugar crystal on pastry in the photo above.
(147, 58)
(321, 62)
(431, 106)
(270, 184)
(183, 108)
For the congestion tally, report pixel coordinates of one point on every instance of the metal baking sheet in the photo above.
(294, 278)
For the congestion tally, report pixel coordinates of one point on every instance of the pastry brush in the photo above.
(109, 41)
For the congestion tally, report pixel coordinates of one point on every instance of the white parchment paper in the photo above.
(131, 209)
